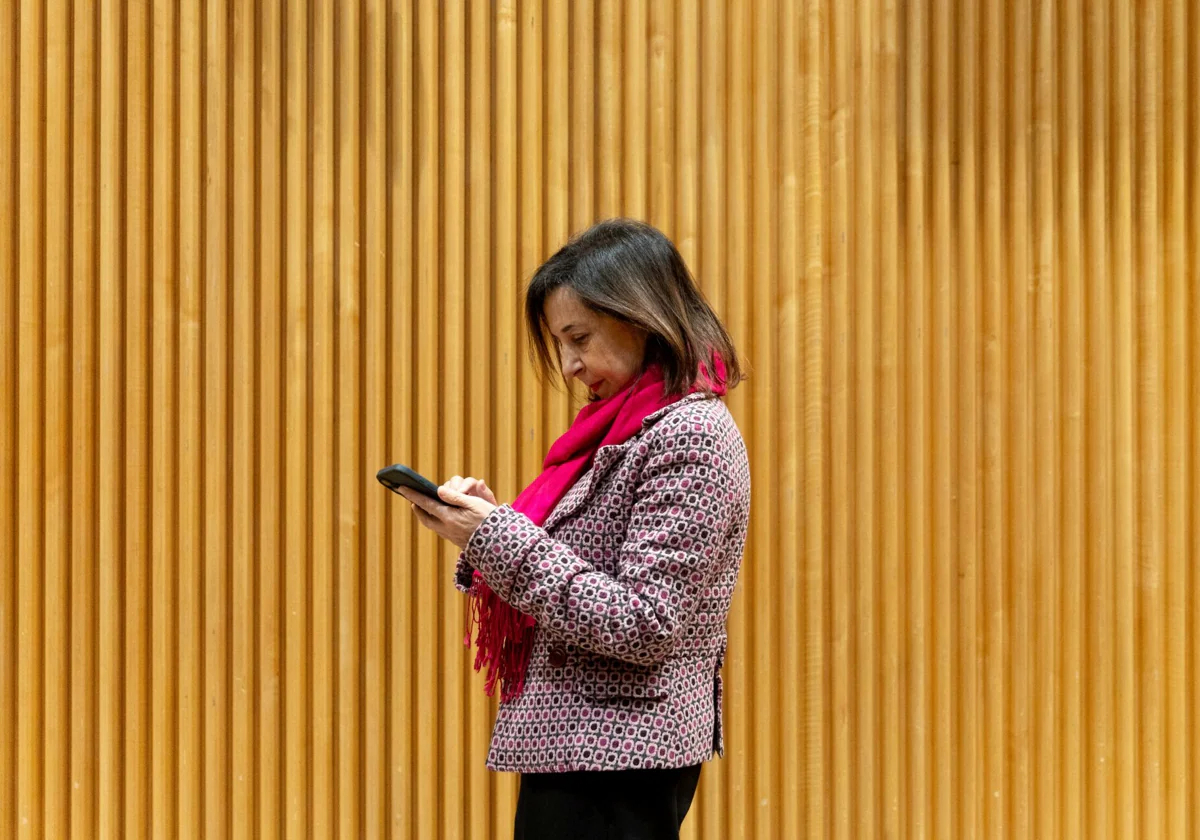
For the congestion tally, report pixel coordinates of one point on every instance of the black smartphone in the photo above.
(398, 475)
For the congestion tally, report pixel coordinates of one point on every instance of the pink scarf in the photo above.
(504, 638)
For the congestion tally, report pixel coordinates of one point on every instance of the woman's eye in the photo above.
(579, 339)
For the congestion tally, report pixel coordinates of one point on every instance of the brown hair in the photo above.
(632, 272)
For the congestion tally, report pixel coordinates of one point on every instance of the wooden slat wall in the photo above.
(249, 253)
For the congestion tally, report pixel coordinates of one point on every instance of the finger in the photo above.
(476, 488)
(454, 497)
(417, 498)
(429, 521)
(456, 482)
(423, 502)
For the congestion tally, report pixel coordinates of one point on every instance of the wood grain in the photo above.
(250, 253)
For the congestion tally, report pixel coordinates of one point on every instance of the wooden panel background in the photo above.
(250, 252)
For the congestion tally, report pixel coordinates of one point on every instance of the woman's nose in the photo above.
(570, 365)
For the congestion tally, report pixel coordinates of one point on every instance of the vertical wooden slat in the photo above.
(1071, 767)
(713, 76)
(582, 80)
(189, 448)
(137, 725)
(762, 348)
(557, 409)
(243, 534)
(581, 150)
(634, 81)
(914, 503)
(31, 385)
(1043, 555)
(789, 306)
(1192, 211)
(1175, 339)
(608, 104)
(662, 161)
(376, 404)
(299, 488)
(402, 765)
(56, 505)
(348, 476)
(942, 246)
(968, 448)
(84, 641)
(996, 800)
(296, 438)
(683, 100)
(531, 114)
(456, 354)
(215, 808)
(110, 461)
(322, 451)
(742, 800)
(1148, 396)
(1017, 516)
(270, 424)
(865, 793)
(815, 328)
(1099, 611)
(10, 442)
(165, 264)
(428, 583)
(838, 419)
(480, 451)
(887, 142)
(1127, 692)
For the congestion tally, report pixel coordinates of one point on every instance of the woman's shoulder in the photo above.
(700, 433)
(697, 415)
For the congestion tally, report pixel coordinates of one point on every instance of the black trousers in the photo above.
(605, 805)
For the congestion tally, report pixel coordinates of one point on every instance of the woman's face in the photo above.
(601, 352)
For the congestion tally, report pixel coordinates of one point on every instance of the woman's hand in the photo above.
(457, 519)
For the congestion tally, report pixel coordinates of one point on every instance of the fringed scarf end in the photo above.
(503, 641)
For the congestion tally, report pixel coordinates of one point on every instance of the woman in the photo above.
(601, 593)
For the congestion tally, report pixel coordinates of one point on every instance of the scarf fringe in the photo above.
(503, 640)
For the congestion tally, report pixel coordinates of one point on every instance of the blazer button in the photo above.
(558, 657)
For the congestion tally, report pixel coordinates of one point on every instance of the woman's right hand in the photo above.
(472, 487)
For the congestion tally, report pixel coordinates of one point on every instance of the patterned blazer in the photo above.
(630, 581)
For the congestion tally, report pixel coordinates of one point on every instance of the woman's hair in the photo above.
(631, 271)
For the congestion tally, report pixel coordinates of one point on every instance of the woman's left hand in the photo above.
(456, 520)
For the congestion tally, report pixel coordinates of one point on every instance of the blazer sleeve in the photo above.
(681, 518)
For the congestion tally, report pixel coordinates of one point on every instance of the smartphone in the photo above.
(398, 475)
